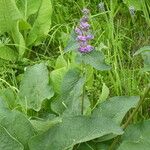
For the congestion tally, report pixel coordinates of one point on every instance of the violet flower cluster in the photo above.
(83, 33)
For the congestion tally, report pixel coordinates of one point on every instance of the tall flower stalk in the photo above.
(84, 38)
(83, 33)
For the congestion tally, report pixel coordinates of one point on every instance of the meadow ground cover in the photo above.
(74, 75)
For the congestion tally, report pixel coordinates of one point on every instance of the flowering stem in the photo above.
(83, 93)
(82, 104)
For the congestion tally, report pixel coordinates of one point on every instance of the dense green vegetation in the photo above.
(55, 97)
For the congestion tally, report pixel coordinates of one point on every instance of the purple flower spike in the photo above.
(83, 36)
(78, 31)
(86, 49)
(84, 19)
(84, 25)
(89, 37)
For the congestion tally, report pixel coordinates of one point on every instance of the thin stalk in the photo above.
(83, 94)
(83, 97)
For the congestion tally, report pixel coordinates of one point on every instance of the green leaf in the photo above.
(135, 3)
(7, 142)
(60, 62)
(44, 125)
(9, 14)
(28, 7)
(9, 97)
(35, 87)
(104, 94)
(67, 89)
(104, 121)
(57, 77)
(117, 107)
(136, 137)
(8, 53)
(73, 130)
(18, 39)
(41, 24)
(69, 81)
(94, 58)
(16, 125)
(145, 52)
(72, 44)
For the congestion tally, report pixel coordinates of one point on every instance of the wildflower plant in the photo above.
(51, 109)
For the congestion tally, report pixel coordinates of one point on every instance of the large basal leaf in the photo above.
(145, 52)
(28, 7)
(16, 124)
(9, 14)
(94, 58)
(104, 121)
(41, 24)
(7, 53)
(35, 87)
(7, 142)
(73, 130)
(117, 107)
(136, 137)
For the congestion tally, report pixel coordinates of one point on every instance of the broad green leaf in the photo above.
(135, 3)
(35, 87)
(16, 124)
(9, 14)
(60, 62)
(69, 81)
(94, 58)
(24, 25)
(7, 142)
(28, 7)
(8, 53)
(104, 94)
(18, 39)
(104, 121)
(44, 125)
(74, 100)
(142, 49)
(145, 52)
(57, 77)
(71, 90)
(73, 130)
(92, 145)
(117, 107)
(136, 137)
(72, 44)
(41, 24)
(9, 97)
